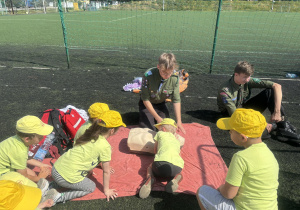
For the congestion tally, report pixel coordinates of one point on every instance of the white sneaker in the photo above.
(43, 184)
(52, 194)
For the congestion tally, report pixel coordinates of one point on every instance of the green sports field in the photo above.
(264, 38)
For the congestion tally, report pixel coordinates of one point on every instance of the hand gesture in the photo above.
(46, 165)
(111, 170)
(180, 127)
(45, 171)
(46, 204)
(276, 117)
(110, 193)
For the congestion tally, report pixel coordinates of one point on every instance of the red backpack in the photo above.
(72, 122)
(65, 126)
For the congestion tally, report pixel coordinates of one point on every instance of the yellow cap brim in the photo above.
(45, 130)
(157, 125)
(31, 199)
(223, 124)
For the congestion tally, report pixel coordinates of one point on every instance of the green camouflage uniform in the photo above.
(228, 98)
(156, 90)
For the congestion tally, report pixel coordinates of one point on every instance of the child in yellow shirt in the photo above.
(167, 162)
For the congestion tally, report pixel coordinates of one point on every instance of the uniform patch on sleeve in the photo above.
(148, 73)
(256, 80)
(224, 99)
(223, 94)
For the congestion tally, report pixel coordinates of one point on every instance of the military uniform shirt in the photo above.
(13, 154)
(229, 97)
(156, 90)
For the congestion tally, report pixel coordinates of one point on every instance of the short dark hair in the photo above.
(24, 135)
(244, 67)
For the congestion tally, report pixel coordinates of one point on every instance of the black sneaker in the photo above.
(287, 132)
(265, 135)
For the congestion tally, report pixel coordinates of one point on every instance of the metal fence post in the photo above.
(64, 31)
(215, 37)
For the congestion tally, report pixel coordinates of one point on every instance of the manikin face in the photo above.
(241, 78)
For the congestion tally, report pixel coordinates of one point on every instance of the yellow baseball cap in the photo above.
(166, 121)
(18, 197)
(32, 124)
(245, 121)
(97, 109)
(111, 119)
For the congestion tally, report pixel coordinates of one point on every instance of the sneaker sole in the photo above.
(146, 188)
(172, 186)
(45, 188)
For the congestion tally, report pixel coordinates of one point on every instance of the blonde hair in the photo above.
(244, 67)
(169, 128)
(167, 61)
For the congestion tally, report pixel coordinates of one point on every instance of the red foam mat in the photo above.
(203, 165)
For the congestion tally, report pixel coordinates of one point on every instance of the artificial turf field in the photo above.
(34, 77)
(262, 37)
(32, 83)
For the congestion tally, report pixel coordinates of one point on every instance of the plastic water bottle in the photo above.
(43, 150)
(290, 75)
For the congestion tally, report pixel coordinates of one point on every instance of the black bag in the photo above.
(287, 132)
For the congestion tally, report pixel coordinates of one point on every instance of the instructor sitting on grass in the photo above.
(158, 85)
(252, 178)
(236, 92)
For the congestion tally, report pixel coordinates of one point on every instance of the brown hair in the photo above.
(244, 67)
(93, 133)
(167, 61)
(24, 135)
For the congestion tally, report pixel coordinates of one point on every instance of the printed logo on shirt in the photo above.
(97, 162)
(84, 173)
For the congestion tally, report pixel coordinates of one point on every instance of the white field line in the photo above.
(132, 17)
(2, 66)
(289, 79)
(213, 97)
(82, 21)
(33, 67)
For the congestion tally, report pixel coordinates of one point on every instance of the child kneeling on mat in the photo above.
(252, 178)
(167, 162)
(72, 168)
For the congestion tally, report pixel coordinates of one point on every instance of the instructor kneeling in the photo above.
(158, 85)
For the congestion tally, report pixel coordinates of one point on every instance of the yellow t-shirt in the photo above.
(19, 178)
(81, 130)
(75, 164)
(255, 170)
(13, 154)
(168, 149)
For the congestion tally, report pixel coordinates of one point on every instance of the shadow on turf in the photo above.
(174, 201)
(206, 115)
(294, 143)
(131, 118)
(284, 204)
